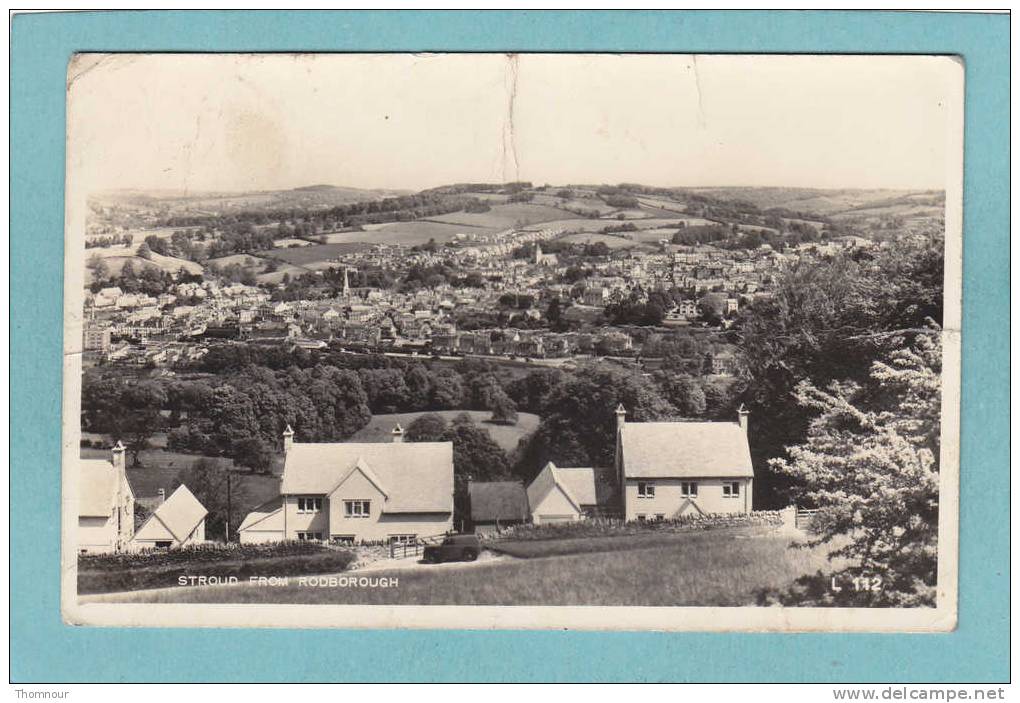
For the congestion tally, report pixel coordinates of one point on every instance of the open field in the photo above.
(246, 260)
(489, 197)
(277, 276)
(502, 217)
(416, 232)
(694, 569)
(652, 236)
(612, 241)
(291, 242)
(116, 257)
(581, 224)
(302, 256)
(379, 428)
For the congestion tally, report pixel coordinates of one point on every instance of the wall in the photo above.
(668, 500)
(305, 522)
(96, 534)
(554, 505)
(378, 525)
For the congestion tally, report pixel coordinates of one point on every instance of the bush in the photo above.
(161, 568)
(604, 527)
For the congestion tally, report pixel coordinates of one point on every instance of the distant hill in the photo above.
(832, 203)
(174, 201)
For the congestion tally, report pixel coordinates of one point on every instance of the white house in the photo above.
(178, 522)
(358, 492)
(669, 469)
(562, 494)
(106, 504)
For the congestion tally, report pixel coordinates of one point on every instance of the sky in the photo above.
(411, 121)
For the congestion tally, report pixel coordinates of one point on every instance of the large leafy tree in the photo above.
(871, 463)
(828, 321)
(578, 425)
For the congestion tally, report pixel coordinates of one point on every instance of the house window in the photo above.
(645, 490)
(731, 489)
(403, 539)
(357, 508)
(659, 517)
(163, 544)
(309, 536)
(343, 539)
(309, 505)
(641, 517)
(689, 489)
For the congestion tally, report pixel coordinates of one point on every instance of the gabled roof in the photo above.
(498, 500)
(413, 476)
(177, 517)
(97, 488)
(548, 479)
(361, 466)
(580, 482)
(258, 515)
(685, 450)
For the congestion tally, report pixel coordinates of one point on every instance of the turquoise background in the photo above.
(43, 649)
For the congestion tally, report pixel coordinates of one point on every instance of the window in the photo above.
(309, 536)
(357, 508)
(659, 517)
(309, 505)
(163, 544)
(731, 489)
(641, 517)
(403, 539)
(645, 490)
(343, 539)
(689, 489)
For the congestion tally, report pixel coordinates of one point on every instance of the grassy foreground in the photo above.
(703, 569)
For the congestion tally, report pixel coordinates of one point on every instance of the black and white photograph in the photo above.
(477, 341)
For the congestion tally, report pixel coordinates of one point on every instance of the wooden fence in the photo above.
(804, 518)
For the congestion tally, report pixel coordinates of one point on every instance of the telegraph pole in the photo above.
(226, 527)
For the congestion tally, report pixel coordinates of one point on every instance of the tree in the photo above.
(426, 428)
(138, 416)
(504, 410)
(419, 387)
(578, 426)
(685, 394)
(253, 452)
(447, 390)
(871, 463)
(100, 270)
(207, 479)
(828, 321)
(144, 251)
(231, 416)
(475, 454)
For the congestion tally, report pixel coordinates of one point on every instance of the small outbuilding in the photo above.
(496, 505)
(178, 522)
(562, 494)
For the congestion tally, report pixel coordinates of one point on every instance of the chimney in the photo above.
(398, 433)
(621, 417)
(162, 496)
(117, 456)
(288, 439)
(742, 414)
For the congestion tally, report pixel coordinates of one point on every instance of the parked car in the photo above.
(453, 548)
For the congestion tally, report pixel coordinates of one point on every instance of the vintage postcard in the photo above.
(589, 341)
